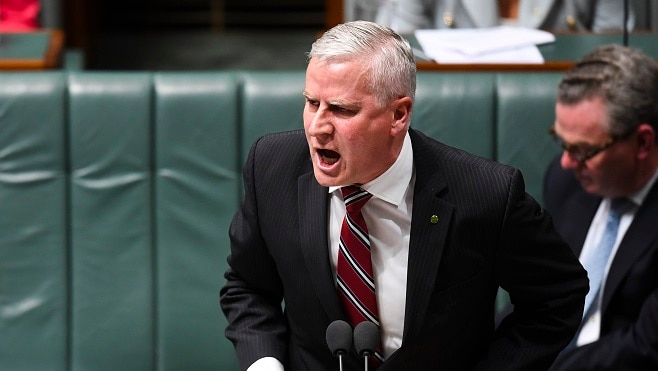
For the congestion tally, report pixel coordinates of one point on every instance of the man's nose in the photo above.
(568, 162)
(320, 123)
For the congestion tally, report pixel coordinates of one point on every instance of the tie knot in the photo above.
(354, 198)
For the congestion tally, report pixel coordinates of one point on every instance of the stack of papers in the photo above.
(503, 44)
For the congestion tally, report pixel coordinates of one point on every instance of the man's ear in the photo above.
(401, 114)
(646, 139)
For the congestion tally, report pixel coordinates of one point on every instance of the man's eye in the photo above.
(582, 150)
(342, 110)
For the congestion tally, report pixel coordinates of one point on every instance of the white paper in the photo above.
(502, 44)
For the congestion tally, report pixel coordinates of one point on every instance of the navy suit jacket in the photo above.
(629, 309)
(280, 295)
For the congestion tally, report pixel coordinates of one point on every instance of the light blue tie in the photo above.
(597, 261)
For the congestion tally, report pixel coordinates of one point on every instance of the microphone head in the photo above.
(366, 338)
(339, 337)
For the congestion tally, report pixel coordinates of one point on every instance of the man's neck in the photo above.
(645, 172)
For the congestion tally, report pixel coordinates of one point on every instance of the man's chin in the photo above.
(326, 180)
(590, 188)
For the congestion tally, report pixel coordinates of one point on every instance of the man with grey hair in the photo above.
(359, 218)
(606, 122)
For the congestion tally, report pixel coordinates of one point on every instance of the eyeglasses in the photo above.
(582, 152)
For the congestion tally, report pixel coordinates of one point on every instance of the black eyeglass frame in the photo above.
(577, 153)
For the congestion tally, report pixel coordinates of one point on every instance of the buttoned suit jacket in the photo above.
(554, 15)
(489, 233)
(629, 309)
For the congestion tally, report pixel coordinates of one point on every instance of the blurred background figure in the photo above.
(406, 16)
(365, 10)
(19, 15)
(606, 122)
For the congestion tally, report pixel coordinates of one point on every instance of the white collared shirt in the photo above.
(591, 327)
(388, 217)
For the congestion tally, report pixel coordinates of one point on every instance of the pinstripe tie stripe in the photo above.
(356, 285)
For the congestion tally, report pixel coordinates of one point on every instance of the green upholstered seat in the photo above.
(526, 110)
(457, 109)
(34, 214)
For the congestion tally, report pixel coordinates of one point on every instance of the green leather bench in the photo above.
(117, 189)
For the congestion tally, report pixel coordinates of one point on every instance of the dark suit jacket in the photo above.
(629, 312)
(490, 233)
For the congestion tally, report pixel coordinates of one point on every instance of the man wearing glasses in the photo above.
(603, 196)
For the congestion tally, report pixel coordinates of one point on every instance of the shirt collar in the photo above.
(391, 186)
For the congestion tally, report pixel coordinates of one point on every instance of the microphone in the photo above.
(366, 340)
(339, 339)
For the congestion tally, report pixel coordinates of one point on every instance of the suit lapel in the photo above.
(313, 231)
(578, 218)
(431, 218)
(638, 238)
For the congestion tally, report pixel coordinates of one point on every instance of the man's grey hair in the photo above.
(625, 78)
(392, 68)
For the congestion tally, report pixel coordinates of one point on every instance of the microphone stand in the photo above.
(625, 22)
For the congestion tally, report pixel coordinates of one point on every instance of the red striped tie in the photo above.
(356, 285)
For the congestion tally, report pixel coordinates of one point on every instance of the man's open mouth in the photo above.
(328, 156)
